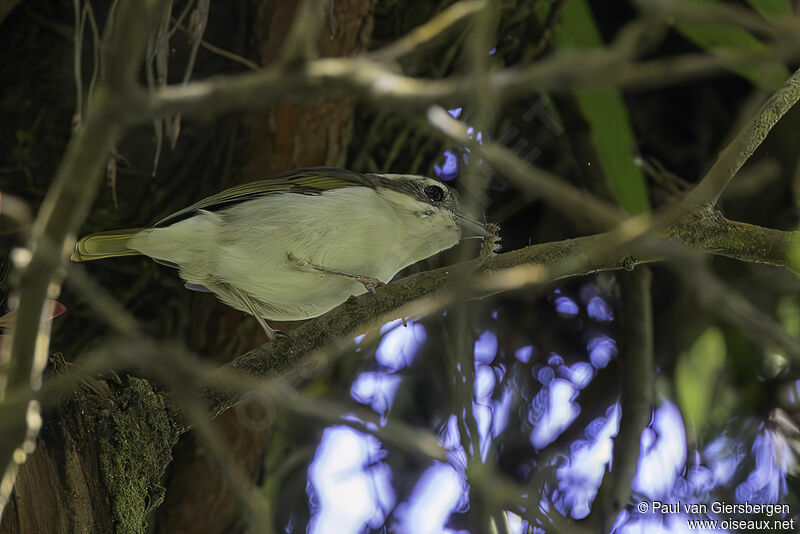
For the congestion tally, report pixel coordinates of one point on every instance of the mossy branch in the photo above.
(309, 346)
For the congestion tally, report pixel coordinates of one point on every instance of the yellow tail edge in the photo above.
(102, 245)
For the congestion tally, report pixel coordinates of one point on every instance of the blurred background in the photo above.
(542, 366)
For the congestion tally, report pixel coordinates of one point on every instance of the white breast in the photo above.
(353, 230)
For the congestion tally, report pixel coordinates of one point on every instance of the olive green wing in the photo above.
(307, 181)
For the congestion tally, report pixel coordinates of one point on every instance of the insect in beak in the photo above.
(471, 228)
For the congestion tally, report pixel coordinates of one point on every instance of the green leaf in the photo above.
(612, 137)
(605, 112)
(772, 9)
(719, 38)
(696, 374)
(789, 315)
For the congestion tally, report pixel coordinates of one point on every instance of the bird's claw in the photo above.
(370, 284)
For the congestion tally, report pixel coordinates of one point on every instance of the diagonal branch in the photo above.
(64, 208)
(309, 346)
(738, 151)
(434, 28)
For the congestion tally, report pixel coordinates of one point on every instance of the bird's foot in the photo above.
(369, 283)
(251, 307)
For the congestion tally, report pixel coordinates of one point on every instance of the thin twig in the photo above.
(64, 208)
(77, 64)
(222, 52)
(232, 383)
(722, 13)
(530, 179)
(97, 65)
(563, 72)
(258, 515)
(738, 151)
(636, 403)
(473, 183)
(429, 31)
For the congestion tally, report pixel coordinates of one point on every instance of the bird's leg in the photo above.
(251, 307)
(368, 282)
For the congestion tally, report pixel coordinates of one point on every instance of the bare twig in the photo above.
(103, 303)
(258, 513)
(116, 105)
(97, 44)
(532, 180)
(197, 27)
(636, 403)
(184, 374)
(77, 63)
(563, 72)
(727, 304)
(62, 211)
(548, 27)
(481, 105)
(180, 18)
(738, 151)
(229, 55)
(221, 51)
(572, 201)
(429, 31)
(718, 12)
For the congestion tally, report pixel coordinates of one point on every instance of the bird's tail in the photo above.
(105, 245)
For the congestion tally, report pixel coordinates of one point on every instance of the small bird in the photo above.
(295, 246)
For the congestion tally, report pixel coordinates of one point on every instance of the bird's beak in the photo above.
(471, 228)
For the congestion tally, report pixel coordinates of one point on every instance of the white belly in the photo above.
(247, 246)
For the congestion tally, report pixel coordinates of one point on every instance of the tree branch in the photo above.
(738, 151)
(562, 72)
(64, 208)
(636, 403)
(304, 347)
(424, 34)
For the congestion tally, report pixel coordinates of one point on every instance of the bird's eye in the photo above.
(434, 193)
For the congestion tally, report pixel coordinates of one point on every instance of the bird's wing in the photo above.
(308, 181)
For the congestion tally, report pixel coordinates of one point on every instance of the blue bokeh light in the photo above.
(449, 169)
(545, 375)
(724, 456)
(579, 479)
(566, 306)
(602, 350)
(436, 495)
(559, 411)
(376, 389)
(485, 348)
(766, 483)
(399, 346)
(599, 310)
(663, 472)
(524, 354)
(662, 454)
(579, 373)
(348, 487)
